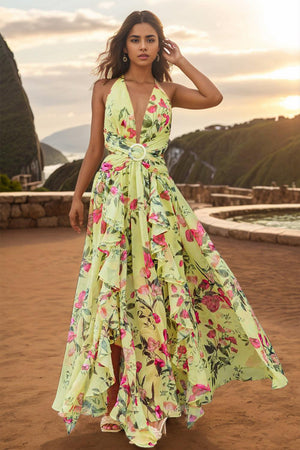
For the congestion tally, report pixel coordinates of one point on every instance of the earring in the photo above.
(157, 58)
(125, 58)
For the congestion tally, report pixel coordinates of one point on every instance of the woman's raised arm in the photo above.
(206, 95)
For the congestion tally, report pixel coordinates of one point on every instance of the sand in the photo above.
(39, 269)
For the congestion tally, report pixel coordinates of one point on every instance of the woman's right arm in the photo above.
(92, 159)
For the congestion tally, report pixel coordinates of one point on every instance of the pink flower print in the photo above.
(152, 344)
(220, 328)
(181, 220)
(159, 362)
(181, 350)
(86, 266)
(184, 314)
(185, 365)
(158, 412)
(173, 288)
(97, 213)
(165, 334)
(138, 366)
(181, 263)
(123, 199)
(114, 190)
(105, 167)
(81, 298)
(198, 236)
(90, 354)
(156, 317)
(148, 260)
(189, 235)
(275, 358)
(152, 98)
(160, 239)
(106, 252)
(165, 195)
(145, 164)
(71, 336)
(123, 123)
(211, 246)
(144, 289)
(72, 320)
(132, 132)
(204, 284)
(122, 333)
(117, 168)
(169, 406)
(133, 203)
(211, 334)
(85, 367)
(152, 109)
(179, 301)
(103, 227)
(154, 216)
(192, 279)
(233, 349)
(197, 317)
(167, 117)
(255, 342)
(212, 302)
(200, 389)
(163, 348)
(124, 255)
(162, 103)
(232, 339)
(103, 312)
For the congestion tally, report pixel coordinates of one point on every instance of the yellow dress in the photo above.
(152, 281)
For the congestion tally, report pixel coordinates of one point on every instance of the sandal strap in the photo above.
(107, 419)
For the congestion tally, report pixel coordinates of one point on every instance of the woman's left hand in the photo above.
(171, 51)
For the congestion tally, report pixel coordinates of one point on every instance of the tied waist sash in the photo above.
(124, 151)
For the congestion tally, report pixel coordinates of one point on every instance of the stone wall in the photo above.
(38, 209)
(223, 195)
(51, 209)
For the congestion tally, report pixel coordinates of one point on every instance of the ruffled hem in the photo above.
(160, 288)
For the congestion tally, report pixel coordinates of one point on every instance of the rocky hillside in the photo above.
(51, 155)
(20, 151)
(252, 153)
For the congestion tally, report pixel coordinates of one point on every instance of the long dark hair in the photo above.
(110, 62)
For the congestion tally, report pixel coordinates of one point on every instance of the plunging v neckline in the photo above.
(133, 113)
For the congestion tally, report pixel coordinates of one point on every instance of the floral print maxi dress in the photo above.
(152, 281)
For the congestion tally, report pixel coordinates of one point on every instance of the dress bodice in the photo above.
(120, 123)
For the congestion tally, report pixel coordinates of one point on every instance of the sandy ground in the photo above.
(39, 269)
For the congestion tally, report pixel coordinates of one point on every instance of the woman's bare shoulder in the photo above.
(169, 88)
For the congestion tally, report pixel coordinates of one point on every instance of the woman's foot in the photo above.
(112, 398)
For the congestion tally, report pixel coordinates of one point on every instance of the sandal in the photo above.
(109, 420)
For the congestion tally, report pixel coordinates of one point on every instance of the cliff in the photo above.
(20, 150)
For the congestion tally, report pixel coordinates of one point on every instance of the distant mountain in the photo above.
(70, 140)
(256, 152)
(52, 156)
(20, 150)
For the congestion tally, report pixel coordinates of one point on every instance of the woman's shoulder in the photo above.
(169, 88)
(103, 86)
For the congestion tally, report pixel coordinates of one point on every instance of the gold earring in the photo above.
(125, 59)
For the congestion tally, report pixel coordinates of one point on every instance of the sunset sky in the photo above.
(248, 48)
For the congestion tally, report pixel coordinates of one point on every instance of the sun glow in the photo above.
(292, 102)
(281, 22)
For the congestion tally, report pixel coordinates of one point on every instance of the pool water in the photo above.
(289, 220)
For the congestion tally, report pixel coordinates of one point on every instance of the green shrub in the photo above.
(7, 185)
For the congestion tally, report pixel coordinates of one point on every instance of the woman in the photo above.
(159, 321)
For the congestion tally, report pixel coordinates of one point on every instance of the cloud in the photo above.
(183, 33)
(33, 23)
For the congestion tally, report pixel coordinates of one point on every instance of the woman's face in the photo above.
(142, 39)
